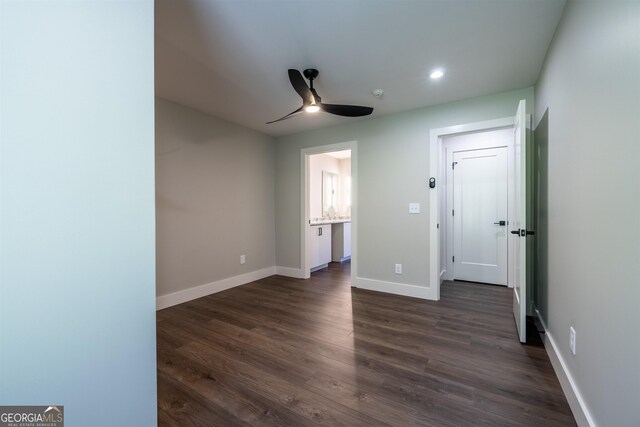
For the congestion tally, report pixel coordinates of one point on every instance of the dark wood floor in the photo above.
(283, 351)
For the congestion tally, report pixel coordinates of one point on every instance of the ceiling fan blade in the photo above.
(287, 116)
(297, 81)
(346, 110)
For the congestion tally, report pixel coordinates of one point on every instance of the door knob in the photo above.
(501, 223)
(523, 233)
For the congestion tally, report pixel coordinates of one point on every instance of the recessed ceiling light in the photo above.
(437, 74)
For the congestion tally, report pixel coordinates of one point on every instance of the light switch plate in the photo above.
(414, 208)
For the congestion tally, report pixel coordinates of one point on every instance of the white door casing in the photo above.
(437, 170)
(519, 226)
(480, 202)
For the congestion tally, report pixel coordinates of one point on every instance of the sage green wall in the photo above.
(214, 198)
(393, 162)
(590, 84)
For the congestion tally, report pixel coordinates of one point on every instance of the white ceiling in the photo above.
(340, 155)
(230, 58)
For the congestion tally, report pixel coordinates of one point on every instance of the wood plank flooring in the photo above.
(282, 351)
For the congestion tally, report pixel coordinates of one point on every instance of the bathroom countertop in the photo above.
(329, 221)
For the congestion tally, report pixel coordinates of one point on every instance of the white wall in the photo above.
(317, 164)
(215, 200)
(77, 255)
(393, 159)
(590, 85)
(345, 187)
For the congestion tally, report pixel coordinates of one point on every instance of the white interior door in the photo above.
(519, 224)
(480, 213)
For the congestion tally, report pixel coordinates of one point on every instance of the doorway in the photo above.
(475, 215)
(329, 207)
(517, 212)
(437, 195)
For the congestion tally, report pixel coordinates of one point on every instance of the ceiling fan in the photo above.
(311, 101)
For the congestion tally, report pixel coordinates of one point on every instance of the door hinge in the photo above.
(453, 259)
(453, 212)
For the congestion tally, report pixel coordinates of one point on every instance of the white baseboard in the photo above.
(168, 300)
(319, 267)
(442, 274)
(574, 397)
(423, 292)
(290, 272)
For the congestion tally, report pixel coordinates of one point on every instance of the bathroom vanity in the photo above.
(329, 240)
(319, 246)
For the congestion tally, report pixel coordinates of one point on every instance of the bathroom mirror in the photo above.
(329, 194)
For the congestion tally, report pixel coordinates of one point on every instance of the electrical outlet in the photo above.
(414, 208)
(572, 340)
(398, 268)
(243, 259)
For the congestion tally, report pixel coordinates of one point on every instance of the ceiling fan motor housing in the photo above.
(310, 73)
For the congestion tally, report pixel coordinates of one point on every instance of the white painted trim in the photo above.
(175, 298)
(393, 288)
(289, 272)
(319, 267)
(305, 262)
(434, 232)
(577, 403)
(304, 197)
(435, 153)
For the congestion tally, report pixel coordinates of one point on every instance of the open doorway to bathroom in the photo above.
(329, 208)
(329, 231)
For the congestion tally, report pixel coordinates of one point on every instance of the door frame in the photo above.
(437, 170)
(305, 263)
(450, 148)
